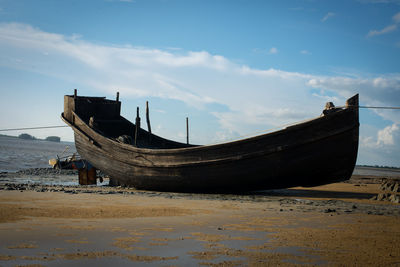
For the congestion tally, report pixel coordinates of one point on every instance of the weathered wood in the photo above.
(319, 151)
(148, 117)
(137, 126)
(187, 130)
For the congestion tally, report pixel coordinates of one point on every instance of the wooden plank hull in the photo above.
(319, 151)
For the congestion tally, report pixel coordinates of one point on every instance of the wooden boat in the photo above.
(319, 151)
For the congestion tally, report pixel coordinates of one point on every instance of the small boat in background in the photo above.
(320, 151)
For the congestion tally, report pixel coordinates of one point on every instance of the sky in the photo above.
(235, 68)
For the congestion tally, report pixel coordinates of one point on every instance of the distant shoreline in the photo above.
(36, 139)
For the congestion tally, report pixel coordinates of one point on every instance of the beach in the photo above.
(50, 224)
(48, 219)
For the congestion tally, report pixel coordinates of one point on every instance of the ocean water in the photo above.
(18, 154)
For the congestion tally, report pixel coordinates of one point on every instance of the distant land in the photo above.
(48, 138)
(379, 167)
(26, 136)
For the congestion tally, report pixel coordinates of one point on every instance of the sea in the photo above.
(17, 154)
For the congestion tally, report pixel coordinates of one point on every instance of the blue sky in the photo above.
(235, 68)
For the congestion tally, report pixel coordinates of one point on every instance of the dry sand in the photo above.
(335, 224)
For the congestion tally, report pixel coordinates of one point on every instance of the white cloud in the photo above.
(396, 18)
(273, 50)
(387, 29)
(305, 52)
(379, 1)
(328, 16)
(388, 137)
(388, 134)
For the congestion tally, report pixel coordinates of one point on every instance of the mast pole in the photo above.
(187, 130)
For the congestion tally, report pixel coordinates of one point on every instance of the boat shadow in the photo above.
(311, 193)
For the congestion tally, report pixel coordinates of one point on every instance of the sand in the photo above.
(333, 225)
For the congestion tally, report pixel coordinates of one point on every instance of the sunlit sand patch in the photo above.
(135, 233)
(140, 248)
(222, 263)
(149, 258)
(195, 223)
(244, 238)
(229, 207)
(347, 243)
(126, 242)
(108, 254)
(38, 258)
(78, 227)
(87, 255)
(81, 241)
(244, 227)
(160, 229)
(266, 224)
(23, 245)
(118, 229)
(7, 258)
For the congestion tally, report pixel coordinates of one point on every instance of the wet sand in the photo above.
(336, 224)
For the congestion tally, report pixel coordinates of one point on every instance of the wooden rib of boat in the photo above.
(320, 151)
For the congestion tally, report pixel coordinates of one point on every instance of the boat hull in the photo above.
(281, 169)
(321, 151)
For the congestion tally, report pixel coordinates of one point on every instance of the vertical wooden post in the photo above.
(148, 117)
(117, 106)
(187, 130)
(137, 125)
(75, 93)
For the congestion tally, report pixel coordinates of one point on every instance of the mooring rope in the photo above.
(372, 107)
(34, 128)
(379, 107)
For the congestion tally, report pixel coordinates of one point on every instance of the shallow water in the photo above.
(17, 154)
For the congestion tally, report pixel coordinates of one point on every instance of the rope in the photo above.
(379, 107)
(367, 107)
(34, 128)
